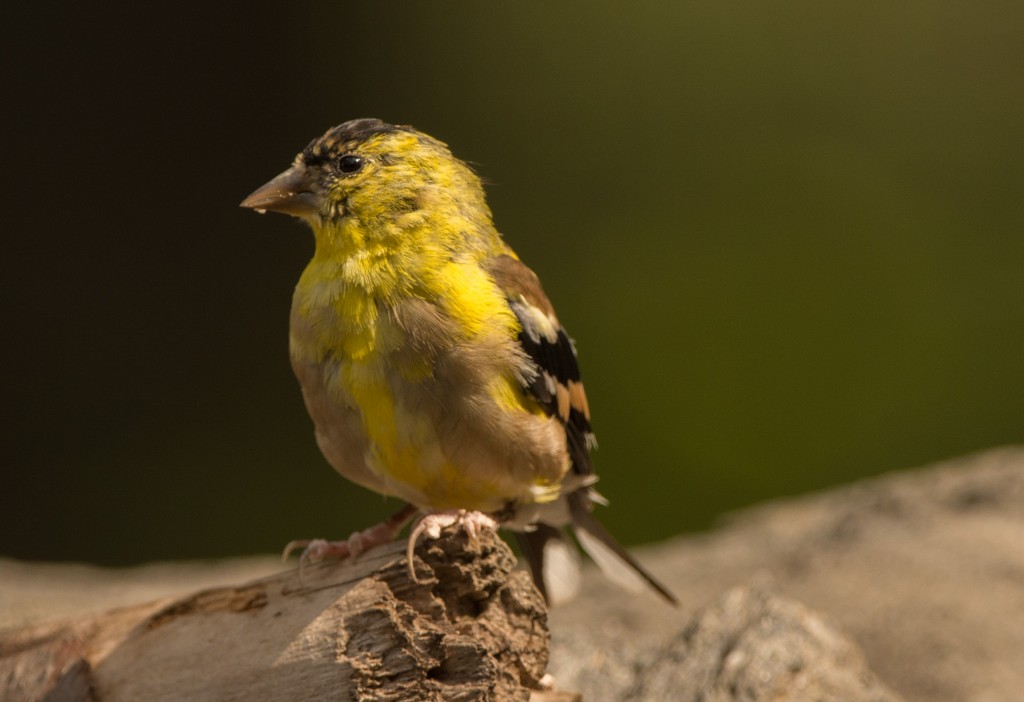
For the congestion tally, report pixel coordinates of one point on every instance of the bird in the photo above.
(430, 359)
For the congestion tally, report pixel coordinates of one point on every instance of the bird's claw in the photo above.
(432, 524)
(316, 550)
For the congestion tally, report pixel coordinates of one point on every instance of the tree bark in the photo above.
(895, 564)
(751, 644)
(469, 629)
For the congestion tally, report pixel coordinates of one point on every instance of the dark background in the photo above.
(787, 238)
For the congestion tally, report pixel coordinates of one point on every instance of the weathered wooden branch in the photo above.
(470, 629)
(895, 564)
(752, 644)
(923, 569)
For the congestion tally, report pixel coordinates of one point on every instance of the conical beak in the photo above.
(291, 193)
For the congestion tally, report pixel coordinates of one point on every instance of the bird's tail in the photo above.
(554, 561)
(613, 560)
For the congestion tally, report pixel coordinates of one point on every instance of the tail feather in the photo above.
(554, 562)
(608, 553)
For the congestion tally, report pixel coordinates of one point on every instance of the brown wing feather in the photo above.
(556, 386)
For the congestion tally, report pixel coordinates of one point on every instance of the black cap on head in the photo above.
(340, 138)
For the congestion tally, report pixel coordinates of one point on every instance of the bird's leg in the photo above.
(432, 524)
(315, 550)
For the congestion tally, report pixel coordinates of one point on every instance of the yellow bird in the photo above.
(430, 359)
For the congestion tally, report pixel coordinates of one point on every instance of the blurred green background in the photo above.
(787, 238)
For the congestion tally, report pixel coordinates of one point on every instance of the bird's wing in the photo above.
(559, 391)
(556, 386)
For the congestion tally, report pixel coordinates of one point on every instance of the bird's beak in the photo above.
(292, 193)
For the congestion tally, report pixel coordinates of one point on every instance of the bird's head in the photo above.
(370, 171)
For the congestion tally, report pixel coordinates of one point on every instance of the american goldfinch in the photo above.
(430, 359)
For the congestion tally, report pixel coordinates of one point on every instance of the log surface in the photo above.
(923, 569)
(752, 644)
(469, 629)
(917, 575)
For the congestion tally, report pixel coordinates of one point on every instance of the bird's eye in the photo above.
(350, 163)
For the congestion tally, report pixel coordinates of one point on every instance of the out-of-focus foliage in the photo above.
(787, 239)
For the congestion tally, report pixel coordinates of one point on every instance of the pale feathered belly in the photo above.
(439, 422)
(434, 453)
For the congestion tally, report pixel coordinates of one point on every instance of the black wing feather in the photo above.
(557, 367)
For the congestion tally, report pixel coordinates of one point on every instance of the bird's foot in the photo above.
(316, 550)
(432, 524)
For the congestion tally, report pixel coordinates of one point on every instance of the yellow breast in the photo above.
(423, 349)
